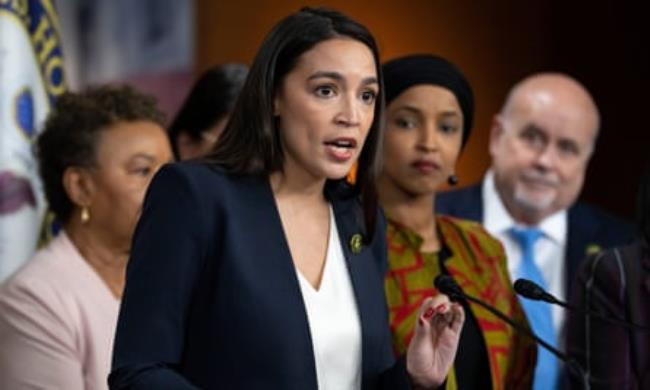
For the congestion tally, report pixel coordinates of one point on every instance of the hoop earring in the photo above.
(85, 215)
(452, 180)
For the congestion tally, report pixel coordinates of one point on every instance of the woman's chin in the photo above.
(338, 174)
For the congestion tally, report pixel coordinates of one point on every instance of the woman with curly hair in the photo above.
(97, 154)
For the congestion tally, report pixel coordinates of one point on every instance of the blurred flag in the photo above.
(31, 77)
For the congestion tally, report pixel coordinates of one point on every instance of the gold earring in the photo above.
(85, 215)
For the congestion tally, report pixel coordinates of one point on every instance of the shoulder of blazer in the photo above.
(593, 226)
(207, 174)
(213, 183)
(464, 203)
(213, 196)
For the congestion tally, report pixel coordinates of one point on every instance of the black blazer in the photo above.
(587, 227)
(212, 298)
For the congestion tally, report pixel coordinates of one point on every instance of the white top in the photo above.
(334, 321)
(549, 249)
(57, 322)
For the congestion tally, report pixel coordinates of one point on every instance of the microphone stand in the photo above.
(572, 364)
(447, 285)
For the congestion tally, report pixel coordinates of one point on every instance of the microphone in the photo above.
(448, 286)
(534, 291)
(531, 290)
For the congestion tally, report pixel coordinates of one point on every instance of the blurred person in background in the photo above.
(615, 283)
(97, 153)
(541, 144)
(206, 111)
(429, 113)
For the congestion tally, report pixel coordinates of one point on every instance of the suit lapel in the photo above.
(279, 271)
(360, 266)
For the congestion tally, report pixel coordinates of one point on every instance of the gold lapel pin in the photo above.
(592, 249)
(356, 242)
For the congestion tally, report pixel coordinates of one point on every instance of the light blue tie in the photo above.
(538, 313)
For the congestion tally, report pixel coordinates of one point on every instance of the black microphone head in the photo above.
(447, 285)
(530, 290)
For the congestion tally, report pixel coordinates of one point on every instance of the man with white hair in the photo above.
(540, 144)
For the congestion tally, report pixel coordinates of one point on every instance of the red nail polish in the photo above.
(428, 313)
(440, 308)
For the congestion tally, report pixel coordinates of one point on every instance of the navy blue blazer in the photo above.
(587, 226)
(212, 298)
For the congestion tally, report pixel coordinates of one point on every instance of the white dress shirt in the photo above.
(549, 249)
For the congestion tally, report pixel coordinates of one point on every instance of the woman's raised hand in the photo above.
(432, 349)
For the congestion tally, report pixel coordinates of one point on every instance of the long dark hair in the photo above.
(250, 143)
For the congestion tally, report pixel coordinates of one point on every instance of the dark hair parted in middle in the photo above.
(250, 144)
(72, 132)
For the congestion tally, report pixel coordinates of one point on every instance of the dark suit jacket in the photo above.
(615, 283)
(587, 226)
(212, 297)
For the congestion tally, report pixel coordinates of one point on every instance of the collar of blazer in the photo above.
(348, 214)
